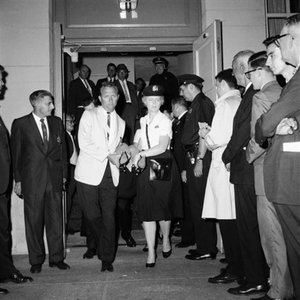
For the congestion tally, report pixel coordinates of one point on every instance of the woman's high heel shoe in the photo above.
(167, 254)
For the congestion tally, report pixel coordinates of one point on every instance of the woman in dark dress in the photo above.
(155, 185)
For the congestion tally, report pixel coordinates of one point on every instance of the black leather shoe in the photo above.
(145, 249)
(223, 278)
(150, 265)
(193, 252)
(17, 277)
(60, 265)
(3, 291)
(201, 256)
(167, 254)
(264, 297)
(183, 245)
(177, 232)
(90, 253)
(130, 242)
(247, 289)
(107, 266)
(36, 269)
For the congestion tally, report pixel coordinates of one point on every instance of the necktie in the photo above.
(108, 124)
(127, 98)
(88, 86)
(44, 130)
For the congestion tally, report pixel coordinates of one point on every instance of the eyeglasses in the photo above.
(278, 37)
(248, 72)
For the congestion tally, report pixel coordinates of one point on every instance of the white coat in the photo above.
(219, 201)
(95, 147)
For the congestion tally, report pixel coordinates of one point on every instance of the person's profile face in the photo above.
(111, 71)
(70, 123)
(274, 60)
(185, 92)
(43, 106)
(159, 68)
(109, 98)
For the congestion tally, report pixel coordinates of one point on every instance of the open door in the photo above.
(208, 57)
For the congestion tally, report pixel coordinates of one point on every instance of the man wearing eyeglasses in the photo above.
(270, 230)
(282, 162)
(242, 176)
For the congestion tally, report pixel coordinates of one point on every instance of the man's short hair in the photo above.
(180, 101)
(111, 65)
(270, 40)
(227, 76)
(258, 59)
(1, 68)
(39, 94)
(106, 84)
(292, 20)
(237, 58)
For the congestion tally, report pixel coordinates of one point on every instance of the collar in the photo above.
(182, 114)
(228, 94)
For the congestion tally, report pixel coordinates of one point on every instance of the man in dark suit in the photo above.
(40, 169)
(201, 110)
(242, 176)
(127, 106)
(80, 89)
(179, 110)
(282, 161)
(8, 271)
(111, 77)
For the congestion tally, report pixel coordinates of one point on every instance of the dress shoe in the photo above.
(60, 265)
(3, 291)
(90, 253)
(193, 251)
(150, 265)
(17, 277)
(107, 266)
(177, 232)
(264, 297)
(247, 289)
(130, 242)
(167, 254)
(223, 278)
(201, 256)
(224, 260)
(183, 245)
(36, 268)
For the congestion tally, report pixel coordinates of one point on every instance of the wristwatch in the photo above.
(199, 158)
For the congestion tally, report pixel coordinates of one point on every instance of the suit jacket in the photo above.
(241, 172)
(94, 146)
(77, 94)
(177, 146)
(33, 165)
(262, 102)
(281, 168)
(128, 112)
(4, 158)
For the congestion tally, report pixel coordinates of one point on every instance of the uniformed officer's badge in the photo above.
(155, 88)
(58, 139)
(190, 110)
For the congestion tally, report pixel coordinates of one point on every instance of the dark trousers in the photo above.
(41, 210)
(289, 218)
(205, 230)
(7, 267)
(230, 237)
(71, 192)
(187, 228)
(98, 206)
(124, 216)
(254, 263)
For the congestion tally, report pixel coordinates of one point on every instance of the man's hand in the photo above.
(114, 159)
(122, 147)
(198, 168)
(18, 189)
(204, 129)
(183, 176)
(286, 126)
(227, 166)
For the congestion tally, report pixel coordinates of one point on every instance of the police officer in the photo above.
(165, 79)
(201, 110)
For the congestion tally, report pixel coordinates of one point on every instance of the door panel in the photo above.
(208, 57)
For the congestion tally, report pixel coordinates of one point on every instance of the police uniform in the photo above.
(167, 80)
(201, 110)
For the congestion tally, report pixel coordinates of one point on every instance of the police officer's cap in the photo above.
(189, 78)
(153, 90)
(122, 67)
(160, 60)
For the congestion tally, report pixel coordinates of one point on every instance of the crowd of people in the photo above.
(178, 156)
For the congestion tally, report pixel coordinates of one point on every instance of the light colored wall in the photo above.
(24, 52)
(243, 24)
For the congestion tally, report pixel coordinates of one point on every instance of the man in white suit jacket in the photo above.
(100, 137)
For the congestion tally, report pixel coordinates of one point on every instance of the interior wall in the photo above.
(25, 55)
